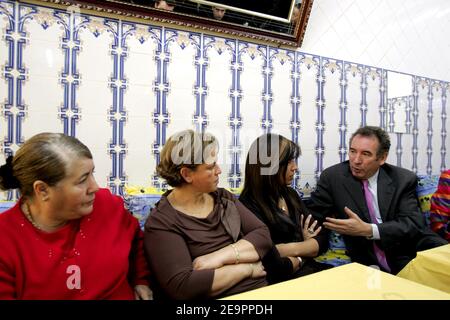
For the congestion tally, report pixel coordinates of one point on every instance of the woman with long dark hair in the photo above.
(269, 171)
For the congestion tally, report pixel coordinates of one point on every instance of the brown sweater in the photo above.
(173, 240)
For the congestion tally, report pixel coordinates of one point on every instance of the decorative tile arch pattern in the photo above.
(134, 84)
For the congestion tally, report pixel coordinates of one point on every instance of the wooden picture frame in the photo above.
(202, 24)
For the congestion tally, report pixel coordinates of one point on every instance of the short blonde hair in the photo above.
(186, 148)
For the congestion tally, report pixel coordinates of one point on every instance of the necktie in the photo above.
(369, 201)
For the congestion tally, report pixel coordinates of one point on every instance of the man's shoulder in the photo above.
(338, 168)
(398, 172)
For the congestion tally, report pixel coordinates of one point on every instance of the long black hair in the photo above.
(265, 172)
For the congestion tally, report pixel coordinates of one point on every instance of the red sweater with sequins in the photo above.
(99, 256)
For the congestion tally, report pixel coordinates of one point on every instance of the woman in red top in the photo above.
(66, 238)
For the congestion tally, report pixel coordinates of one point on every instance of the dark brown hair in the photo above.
(265, 172)
(377, 132)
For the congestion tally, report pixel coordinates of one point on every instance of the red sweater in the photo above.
(99, 256)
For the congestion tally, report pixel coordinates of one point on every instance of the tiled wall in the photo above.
(408, 36)
(124, 87)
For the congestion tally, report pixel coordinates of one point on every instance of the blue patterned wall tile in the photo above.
(318, 105)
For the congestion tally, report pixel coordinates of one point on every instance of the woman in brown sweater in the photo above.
(200, 241)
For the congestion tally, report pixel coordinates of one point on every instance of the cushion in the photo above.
(140, 201)
(426, 186)
(336, 253)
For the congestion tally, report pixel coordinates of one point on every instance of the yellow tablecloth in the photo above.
(349, 282)
(431, 268)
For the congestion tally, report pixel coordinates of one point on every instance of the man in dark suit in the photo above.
(373, 205)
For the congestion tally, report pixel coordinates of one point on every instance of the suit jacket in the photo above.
(403, 231)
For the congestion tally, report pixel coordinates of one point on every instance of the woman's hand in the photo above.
(257, 270)
(309, 229)
(211, 260)
(143, 292)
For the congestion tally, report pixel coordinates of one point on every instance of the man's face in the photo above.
(218, 13)
(364, 161)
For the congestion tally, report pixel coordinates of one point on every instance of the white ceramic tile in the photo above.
(252, 85)
(447, 126)
(283, 129)
(140, 38)
(223, 134)
(50, 120)
(180, 104)
(330, 9)
(95, 61)
(178, 124)
(140, 167)
(103, 131)
(103, 97)
(140, 135)
(252, 109)
(218, 80)
(308, 103)
(354, 14)
(397, 35)
(139, 100)
(4, 47)
(343, 51)
(403, 45)
(332, 38)
(102, 163)
(44, 96)
(44, 24)
(392, 155)
(43, 58)
(367, 7)
(374, 52)
(103, 134)
(140, 69)
(332, 113)
(218, 70)
(353, 94)
(436, 141)
(218, 107)
(315, 29)
(181, 72)
(373, 97)
(283, 91)
(422, 141)
(345, 4)
(308, 161)
(247, 135)
(420, 26)
(407, 145)
(374, 21)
